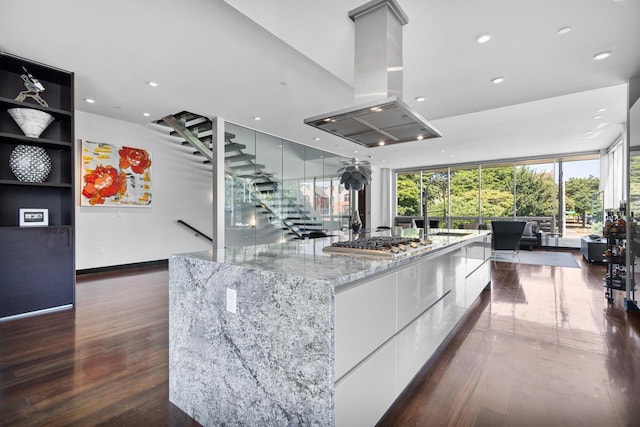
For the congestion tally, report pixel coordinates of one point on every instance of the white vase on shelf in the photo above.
(32, 122)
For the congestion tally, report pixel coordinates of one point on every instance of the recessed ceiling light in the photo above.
(152, 84)
(443, 150)
(450, 155)
(89, 100)
(355, 151)
(602, 55)
(497, 80)
(597, 117)
(257, 118)
(564, 30)
(419, 98)
(376, 109)
(146, 114)
(316, 139)
(589, 132)
(483, 38)
(381, 143)
(420, 137)
(600, 110)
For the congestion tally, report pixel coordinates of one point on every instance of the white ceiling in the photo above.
(286, 60)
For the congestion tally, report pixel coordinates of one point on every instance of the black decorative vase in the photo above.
(356, 224)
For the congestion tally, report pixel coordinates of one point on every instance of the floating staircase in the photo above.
(277, 208)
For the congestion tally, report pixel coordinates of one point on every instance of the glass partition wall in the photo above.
(557, 193)
(278, 190)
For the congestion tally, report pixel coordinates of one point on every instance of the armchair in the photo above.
(506, 236)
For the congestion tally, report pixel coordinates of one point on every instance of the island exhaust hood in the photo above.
(380, 117)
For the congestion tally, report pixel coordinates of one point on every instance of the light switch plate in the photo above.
(232, 301)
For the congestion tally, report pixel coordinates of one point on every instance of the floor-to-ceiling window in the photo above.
(560, 194)
(435, 184)
(496, 192)
(465, 196)
(536, 196)
(408, 191)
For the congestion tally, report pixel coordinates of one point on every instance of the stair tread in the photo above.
(234, 146)
(248, 167)
(240, 157)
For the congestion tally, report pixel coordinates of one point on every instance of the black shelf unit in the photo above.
(620, 275)
(37, 263)
(615, 278)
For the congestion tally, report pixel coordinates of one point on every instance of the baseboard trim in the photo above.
(121, 267)
(36, 312)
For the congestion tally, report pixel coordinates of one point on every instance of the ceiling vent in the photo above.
(380, 117)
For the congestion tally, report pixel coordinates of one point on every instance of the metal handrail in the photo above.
(195, 230)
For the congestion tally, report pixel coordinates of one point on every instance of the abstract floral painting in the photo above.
(115, 176)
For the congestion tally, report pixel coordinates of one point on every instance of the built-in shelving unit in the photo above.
(37, 263)
(619, 276)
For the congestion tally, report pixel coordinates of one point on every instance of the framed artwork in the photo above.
(34, 217)
(115, 176)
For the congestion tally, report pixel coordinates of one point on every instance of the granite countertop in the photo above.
(306, 257)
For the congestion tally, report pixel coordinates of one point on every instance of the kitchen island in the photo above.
(285, 334)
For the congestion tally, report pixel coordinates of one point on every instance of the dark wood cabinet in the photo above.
(37, 264)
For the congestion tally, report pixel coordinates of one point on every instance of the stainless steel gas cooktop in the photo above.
(381, 247)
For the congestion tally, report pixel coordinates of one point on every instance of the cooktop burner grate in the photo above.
(388, 247)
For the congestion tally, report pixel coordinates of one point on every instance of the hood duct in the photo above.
(380, 117)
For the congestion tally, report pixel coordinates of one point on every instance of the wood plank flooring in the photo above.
(104, 363)
(542, 348)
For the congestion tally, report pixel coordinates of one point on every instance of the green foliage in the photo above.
(579, 193)
(634, 183)
(408, 191)
(534, 192)
(436, 185)
(496, 203)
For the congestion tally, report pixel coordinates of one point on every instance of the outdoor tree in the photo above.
(408, 190)
(437, 187)
(534, 192)
(579, 193)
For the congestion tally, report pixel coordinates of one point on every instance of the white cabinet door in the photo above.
(363, 396)
(420, 285)
(476, 282)
(365, 318)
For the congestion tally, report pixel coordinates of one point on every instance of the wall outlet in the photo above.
(232, 301)
(100, 250)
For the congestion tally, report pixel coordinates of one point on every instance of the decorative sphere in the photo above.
(29, 163)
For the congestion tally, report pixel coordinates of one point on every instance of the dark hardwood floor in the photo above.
(542, 348)
(104, 363)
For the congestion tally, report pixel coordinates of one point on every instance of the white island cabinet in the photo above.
(288, 335)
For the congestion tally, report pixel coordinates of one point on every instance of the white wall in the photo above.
(634, 112)
(181, 189)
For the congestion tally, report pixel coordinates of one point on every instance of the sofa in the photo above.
(531, 236)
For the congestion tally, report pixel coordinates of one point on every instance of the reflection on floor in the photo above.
(542, 348)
